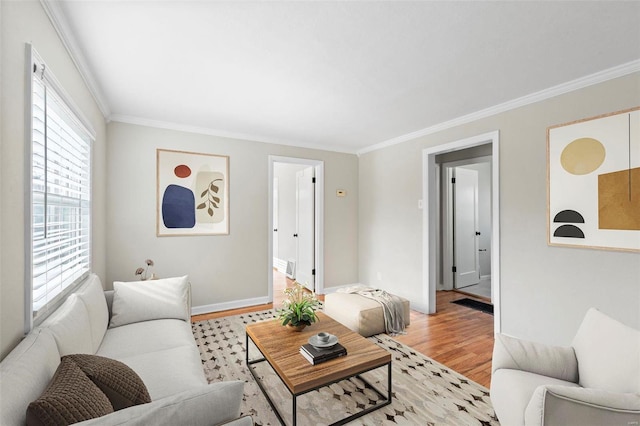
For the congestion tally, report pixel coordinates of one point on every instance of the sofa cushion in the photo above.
(214, 404)
(145, 337)
(71, 327)
(70, 398)
(116, 380)
(150, 300)
(608, 354)
(169, 371)
(25, 374)
(92, 294)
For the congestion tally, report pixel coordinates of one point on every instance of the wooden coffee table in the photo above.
(280, 347)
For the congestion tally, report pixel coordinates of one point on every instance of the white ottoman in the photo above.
(359, 313)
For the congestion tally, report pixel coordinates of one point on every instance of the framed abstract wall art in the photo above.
(192, 193)
(593, 182)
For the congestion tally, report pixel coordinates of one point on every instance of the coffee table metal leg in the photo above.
(389, 382)
(295, 417)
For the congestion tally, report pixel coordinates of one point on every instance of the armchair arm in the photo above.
(242, 421)
(564, 405)
(552, 361)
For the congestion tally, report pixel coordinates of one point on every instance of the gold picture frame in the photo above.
(593, 182)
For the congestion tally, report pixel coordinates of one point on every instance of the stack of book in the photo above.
(317, 355)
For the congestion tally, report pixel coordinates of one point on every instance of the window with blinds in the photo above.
(60, 196)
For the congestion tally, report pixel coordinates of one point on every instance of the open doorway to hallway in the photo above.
(434, 272)
(296, 214)
(466, 193)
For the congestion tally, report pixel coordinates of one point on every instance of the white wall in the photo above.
(286, 174)
(22, 22)
(545, 290)
(231, 268)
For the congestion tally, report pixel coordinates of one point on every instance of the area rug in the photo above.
(475, 304)
(424, 391)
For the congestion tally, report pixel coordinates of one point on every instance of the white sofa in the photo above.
(151, 335)
(596, 381)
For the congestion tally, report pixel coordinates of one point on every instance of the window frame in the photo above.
(34, 63)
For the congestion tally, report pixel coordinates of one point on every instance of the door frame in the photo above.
(447, 213)
(319, 219)
(430, 213)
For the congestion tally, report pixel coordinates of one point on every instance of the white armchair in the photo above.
(596, 381)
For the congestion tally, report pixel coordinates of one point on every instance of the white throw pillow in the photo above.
(149, 300)
(608, 354)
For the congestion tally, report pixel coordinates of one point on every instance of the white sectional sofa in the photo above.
(148, 331)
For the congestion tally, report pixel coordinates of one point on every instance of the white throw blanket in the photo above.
(392, 307)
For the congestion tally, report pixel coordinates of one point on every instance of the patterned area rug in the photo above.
(424, 391)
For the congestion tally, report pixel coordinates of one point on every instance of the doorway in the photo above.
(466, 223)
(295, 243)
(431, 232)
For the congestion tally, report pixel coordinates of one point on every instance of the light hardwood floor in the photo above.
(458, 337)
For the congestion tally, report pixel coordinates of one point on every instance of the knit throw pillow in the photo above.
(117, 380)
(71, 397)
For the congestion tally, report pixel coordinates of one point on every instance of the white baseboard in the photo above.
(419, 307)
(235, 304)
(328, 290)
(280, 265)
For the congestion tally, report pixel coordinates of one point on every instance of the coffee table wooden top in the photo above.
(281, 348)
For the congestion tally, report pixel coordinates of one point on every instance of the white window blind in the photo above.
(60, 196)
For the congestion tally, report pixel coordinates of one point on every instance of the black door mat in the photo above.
(474, 304)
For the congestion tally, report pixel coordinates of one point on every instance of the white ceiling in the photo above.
(341, 75)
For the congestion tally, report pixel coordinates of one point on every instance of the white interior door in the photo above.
(276, 241)
(305, 226)
(465, 225)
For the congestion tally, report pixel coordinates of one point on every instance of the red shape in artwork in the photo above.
(182, 171)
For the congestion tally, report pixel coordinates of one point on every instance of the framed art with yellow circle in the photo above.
(593, 182)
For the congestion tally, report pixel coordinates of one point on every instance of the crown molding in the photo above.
(570, 86)
(223, 133)
(61, 25)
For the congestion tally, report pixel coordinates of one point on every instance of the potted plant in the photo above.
(299, 308)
